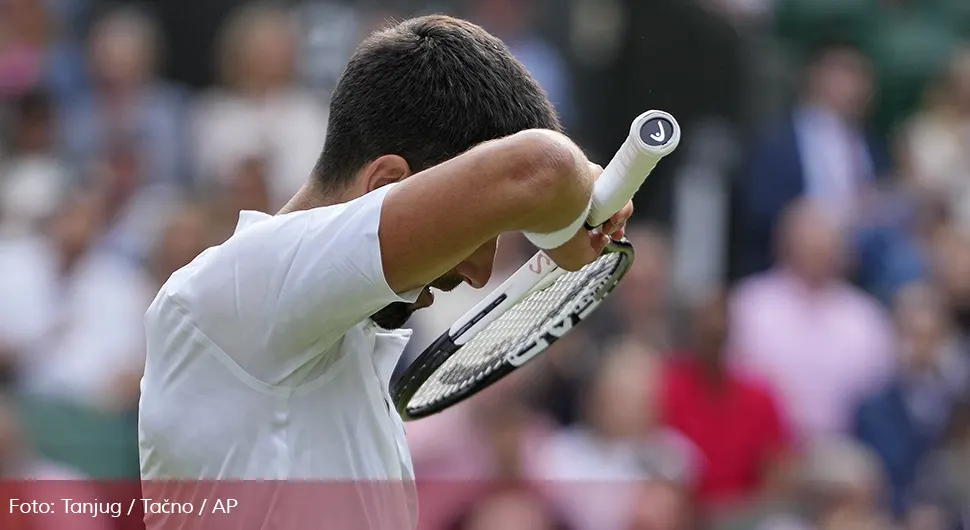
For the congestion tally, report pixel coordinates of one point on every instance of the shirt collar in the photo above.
(248, 218)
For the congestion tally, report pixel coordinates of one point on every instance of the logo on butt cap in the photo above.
(657, 132)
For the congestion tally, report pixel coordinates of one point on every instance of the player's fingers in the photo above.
(625, 213)
(598, 242)
(618, 220)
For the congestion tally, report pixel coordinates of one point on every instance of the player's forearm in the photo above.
(533, 181)
(555, 182)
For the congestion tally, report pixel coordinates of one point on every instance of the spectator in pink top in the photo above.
(821, 342)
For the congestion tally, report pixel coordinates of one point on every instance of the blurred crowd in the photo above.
(824, 386)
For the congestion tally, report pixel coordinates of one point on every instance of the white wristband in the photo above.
(559, 237)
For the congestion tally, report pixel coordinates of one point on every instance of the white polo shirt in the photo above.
(262, 361)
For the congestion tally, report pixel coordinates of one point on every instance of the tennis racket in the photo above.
(540, 302)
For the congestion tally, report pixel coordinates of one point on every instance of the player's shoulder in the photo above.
(260, 260)
(366, 208)
(170, 296)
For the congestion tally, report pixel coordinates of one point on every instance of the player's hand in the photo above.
(615, 226)
(586, 246)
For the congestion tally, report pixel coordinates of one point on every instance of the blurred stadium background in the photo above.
(791, 350)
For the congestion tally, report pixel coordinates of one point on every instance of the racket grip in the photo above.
(653, 135)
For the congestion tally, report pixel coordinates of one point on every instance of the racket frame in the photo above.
(537, 274)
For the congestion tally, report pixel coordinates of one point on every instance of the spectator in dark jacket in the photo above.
(906, 420)
(943, 483)
(819, 150)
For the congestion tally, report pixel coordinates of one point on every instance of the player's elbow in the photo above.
(551, 178)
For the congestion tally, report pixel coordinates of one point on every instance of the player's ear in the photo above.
(385, 170)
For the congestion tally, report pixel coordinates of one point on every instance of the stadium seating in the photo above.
(98, 444)
(908, 49)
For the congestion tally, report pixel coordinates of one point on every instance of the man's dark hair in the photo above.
(35, 106)
(427, 89)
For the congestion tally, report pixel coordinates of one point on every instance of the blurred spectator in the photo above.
(260, 110)
(593, 467)
(512, 509)
(928, 518)
(818, 150)
(951, 265)
(661, 505)
(621, 436)
(557, 376)
(186, 235)
(33, 178)
(821, 343)
(493, 437)
(73, 15)
(331, 30)
(134, 210)
(245, 188)
(32, 53)
(903, 422)
(73, 314)
(943, 484)
(844, 485)
(735, 422)
(745, 13)
(938, 140)
(643, 307)
(463, 452)
(896, 246)
(839, 486)
(511, 21)
(128, 101)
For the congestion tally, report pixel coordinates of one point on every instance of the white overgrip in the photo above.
(653, 135)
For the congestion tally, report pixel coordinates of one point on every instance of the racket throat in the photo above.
(546, 282)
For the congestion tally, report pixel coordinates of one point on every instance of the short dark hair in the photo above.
(35, 105)
(427, 89)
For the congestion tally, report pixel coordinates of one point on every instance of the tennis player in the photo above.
(269, 356)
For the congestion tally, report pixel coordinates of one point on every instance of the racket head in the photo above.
(454, 368)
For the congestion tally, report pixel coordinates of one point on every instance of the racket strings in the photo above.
(514, 331)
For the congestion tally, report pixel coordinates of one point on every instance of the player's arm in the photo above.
(296, 282)
(533, 181)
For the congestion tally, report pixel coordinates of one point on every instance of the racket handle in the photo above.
(653, 135)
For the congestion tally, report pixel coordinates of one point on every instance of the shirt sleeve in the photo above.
(292, 285)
